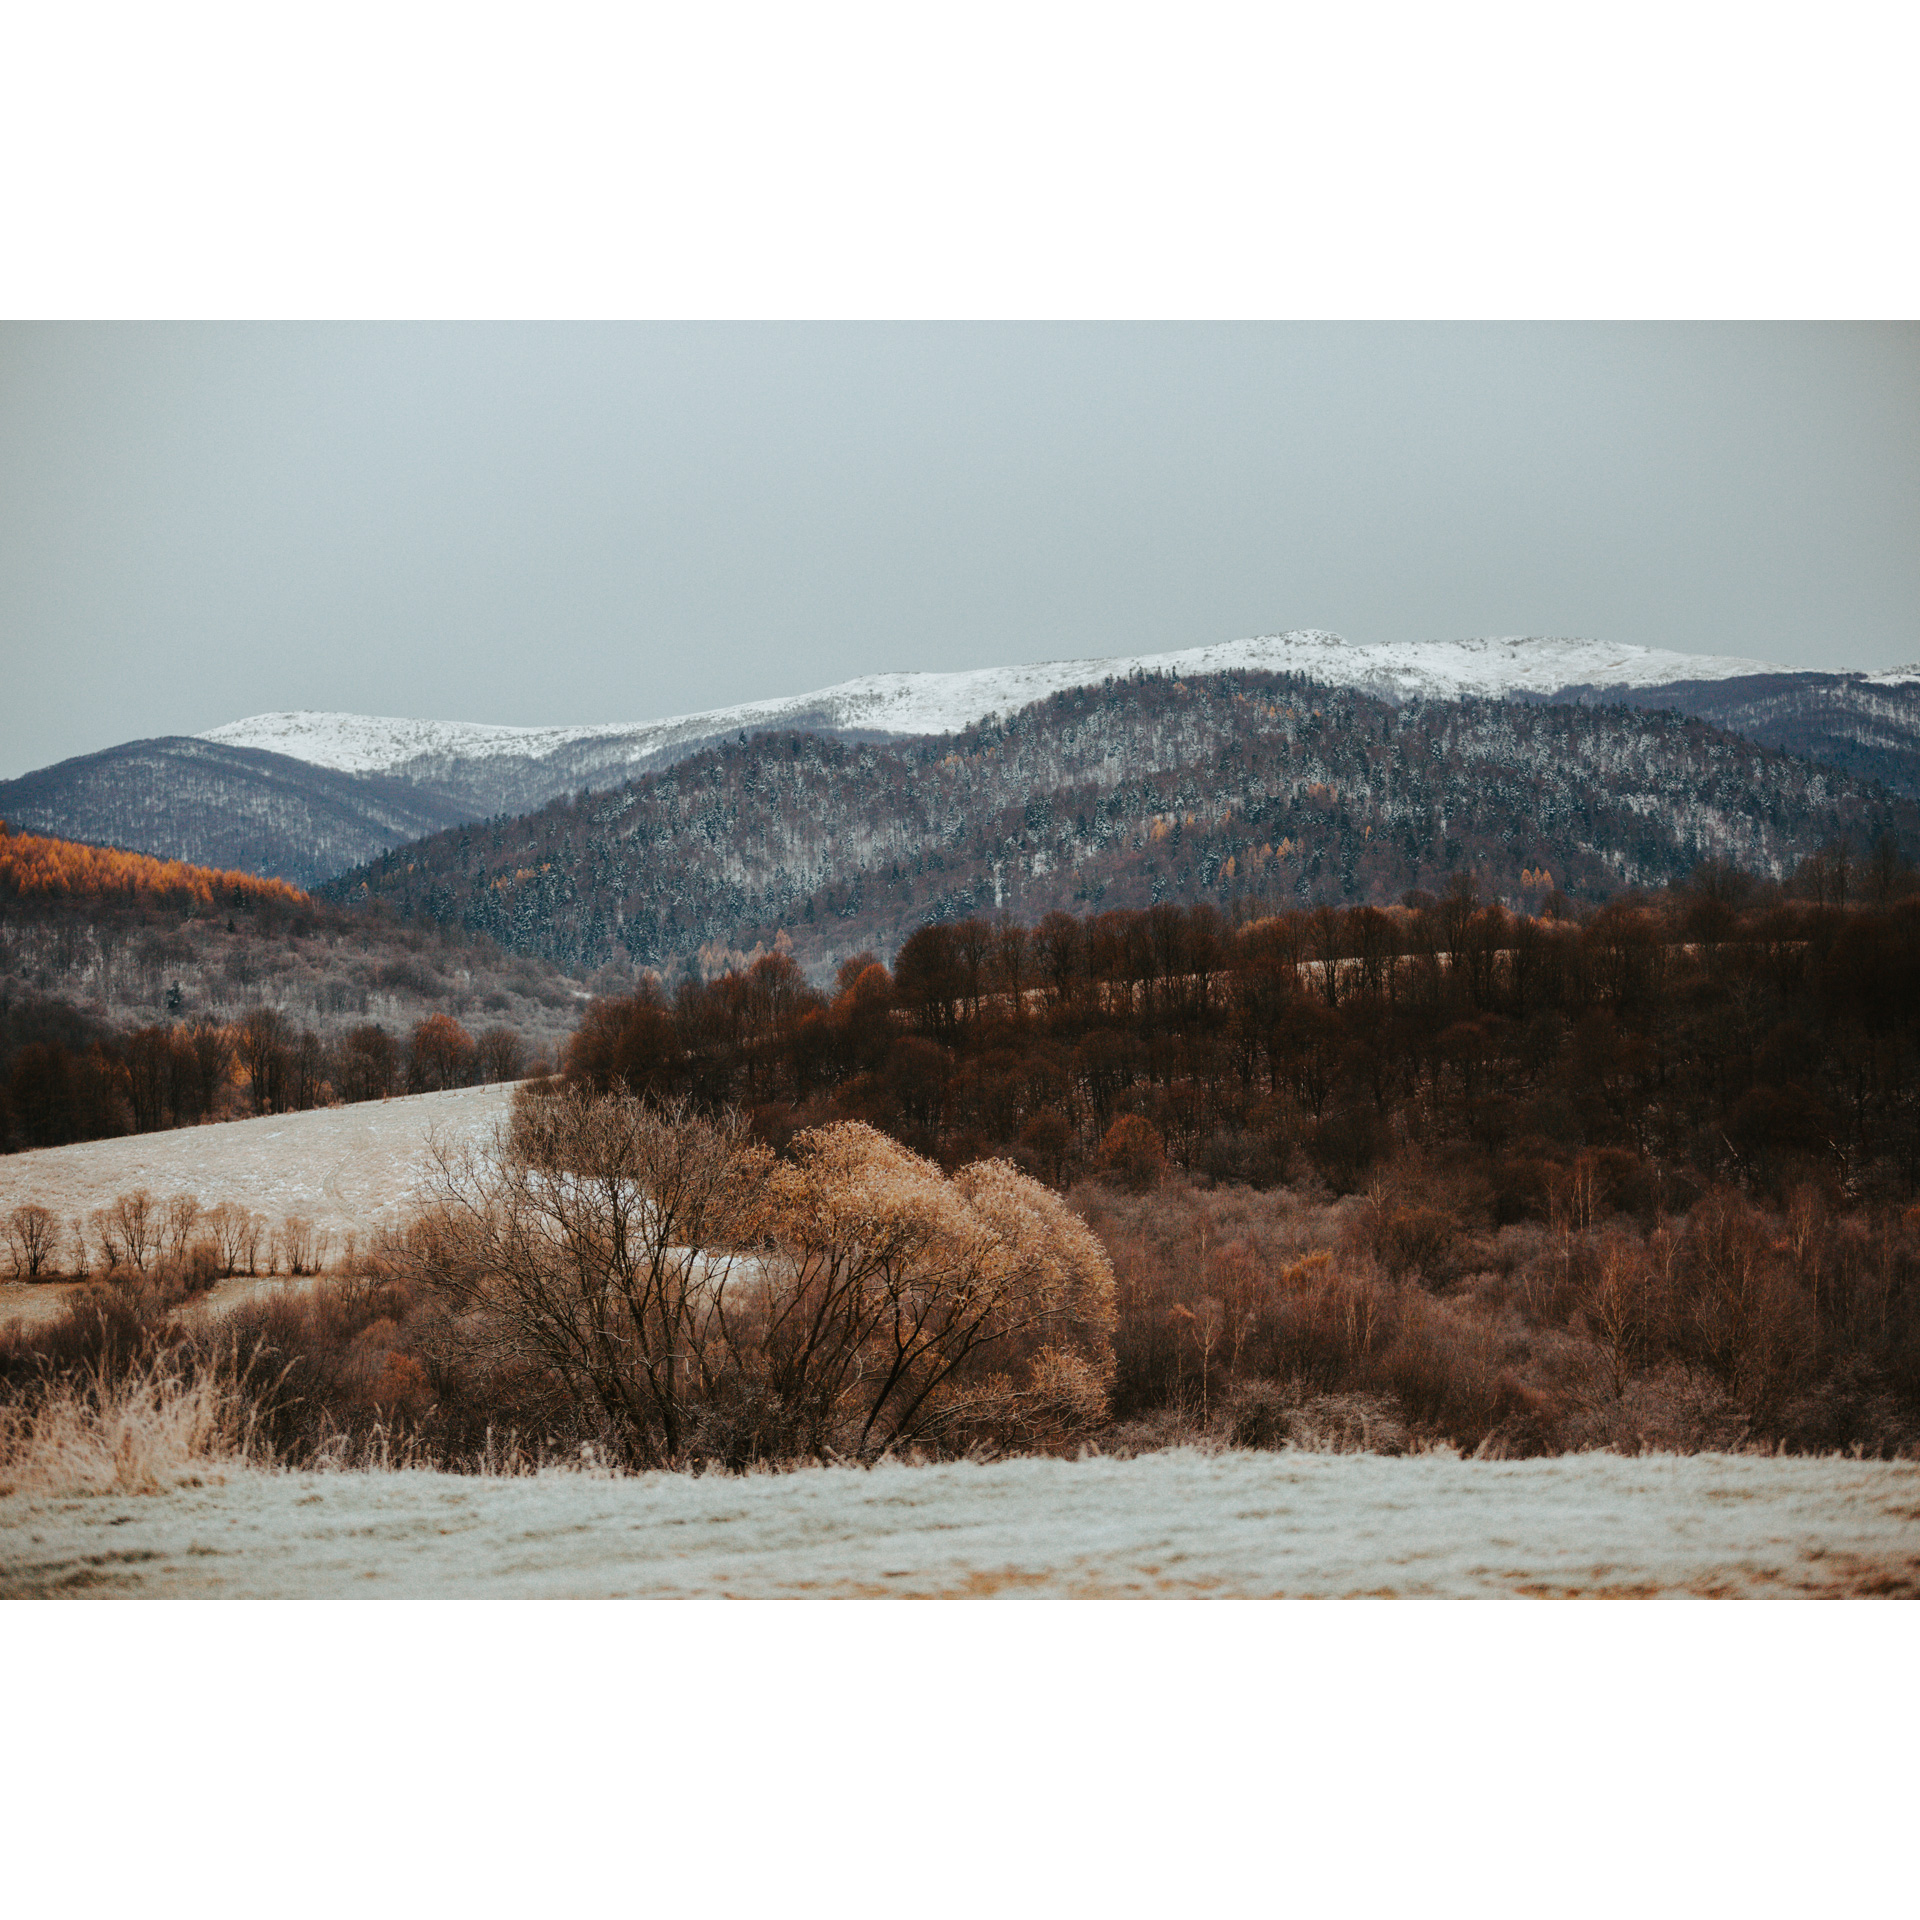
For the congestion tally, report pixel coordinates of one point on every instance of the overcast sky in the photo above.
(537, 524)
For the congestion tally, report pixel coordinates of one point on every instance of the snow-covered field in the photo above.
(352, 1169)
(916, 703)
(1163, 1525)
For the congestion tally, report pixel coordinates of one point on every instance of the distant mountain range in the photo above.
(907, 705)
(1865, 724)
(1239, 788)
(223, 806)
(304, 796)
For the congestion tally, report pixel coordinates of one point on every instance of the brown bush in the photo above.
(103, 1334)
(1132, 1153)
(1416, 1240)
(700, 1298)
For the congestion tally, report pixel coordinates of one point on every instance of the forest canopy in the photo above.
(36, 869)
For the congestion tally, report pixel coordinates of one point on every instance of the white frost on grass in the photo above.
(1162, 1525)
(352, 1169)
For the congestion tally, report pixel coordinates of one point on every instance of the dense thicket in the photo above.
(1392, 1321)
(1239, 790)
(1681, 1038)
(639, 1279)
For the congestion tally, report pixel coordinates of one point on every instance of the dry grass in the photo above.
(143, 1433)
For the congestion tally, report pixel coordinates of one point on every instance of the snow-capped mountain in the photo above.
(919, 703)
(306, 795)
(1230, 788)
(377, 743)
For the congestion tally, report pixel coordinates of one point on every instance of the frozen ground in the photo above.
(350, 1169)
(1164, 1525)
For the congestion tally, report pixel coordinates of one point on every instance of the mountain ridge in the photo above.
(1251, 791)
(308, 796)
(213, 805)
(905, 705)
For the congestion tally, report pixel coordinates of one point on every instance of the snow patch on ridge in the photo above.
(374, 743)
(919, 703)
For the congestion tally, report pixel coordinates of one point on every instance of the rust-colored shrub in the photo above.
(1416, 1240)
(1132, 1154)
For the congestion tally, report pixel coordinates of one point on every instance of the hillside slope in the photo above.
(129, 985)
(1864, 724)
(227, 806)
(1236, 786)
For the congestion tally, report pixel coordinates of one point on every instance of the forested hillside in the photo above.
(224, 806)
(137, 994)
(1694, 1036)
(38, 873)
(1861, 726)
(1258, 789)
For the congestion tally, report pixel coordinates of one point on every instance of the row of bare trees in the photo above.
(178, 1074)
(139, 1233)
(697, 1297)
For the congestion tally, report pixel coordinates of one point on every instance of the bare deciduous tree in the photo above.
(701, 1299)
(224, 1225)
(238, 1236)
(501, 1055)
(597, 1241)
(128, 1231)
(31, 1235)
(179, 1215)
(301, 1244)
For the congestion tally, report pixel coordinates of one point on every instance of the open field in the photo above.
(350, 1169)
(1168, 1525)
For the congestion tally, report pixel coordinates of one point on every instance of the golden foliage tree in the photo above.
(705, 1301)
(35, 867)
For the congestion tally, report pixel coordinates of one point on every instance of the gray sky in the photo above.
(538, 524)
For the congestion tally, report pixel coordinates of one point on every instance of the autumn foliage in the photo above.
(33, 867)
(1661, 1044)
(699, 1299)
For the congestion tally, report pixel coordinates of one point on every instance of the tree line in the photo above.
(41, 870)
(1713, 1031)
(182, 1073)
